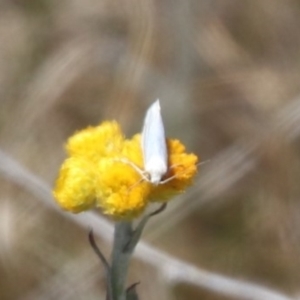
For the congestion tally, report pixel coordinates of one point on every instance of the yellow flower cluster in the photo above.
(99, 172)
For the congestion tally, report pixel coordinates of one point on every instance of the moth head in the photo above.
(156, 169)
(155, 178)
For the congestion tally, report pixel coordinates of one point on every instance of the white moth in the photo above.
(154, 148)
(154, 145)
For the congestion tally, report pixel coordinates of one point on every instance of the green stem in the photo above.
(120, 260)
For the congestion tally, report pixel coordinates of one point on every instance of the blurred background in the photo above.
(227, 73)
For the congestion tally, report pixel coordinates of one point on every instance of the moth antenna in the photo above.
(174, 176)
(203, 162)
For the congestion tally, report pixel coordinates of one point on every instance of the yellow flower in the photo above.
(120, 191)
(182, 170)
(105, 170)
(94, 143)
(75, 186)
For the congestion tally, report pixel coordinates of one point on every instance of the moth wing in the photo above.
(154, 142)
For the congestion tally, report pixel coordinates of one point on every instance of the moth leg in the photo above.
(143, 174)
